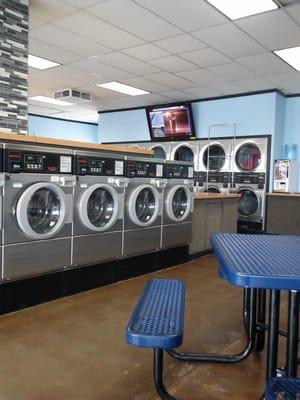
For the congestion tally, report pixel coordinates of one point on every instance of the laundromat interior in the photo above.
(149, 199)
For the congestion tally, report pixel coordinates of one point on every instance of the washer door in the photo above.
(98, 207)
(143, 205)
(184, 153)
(214, 157)
(248, 157)
(178, 203)
(248, 203)
(41, 210)
(159, 152)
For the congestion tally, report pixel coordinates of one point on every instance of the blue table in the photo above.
(269, 262)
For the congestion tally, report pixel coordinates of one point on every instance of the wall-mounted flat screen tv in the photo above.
(173, 122)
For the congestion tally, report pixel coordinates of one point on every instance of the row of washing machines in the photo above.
(235, 165)
(62, 208)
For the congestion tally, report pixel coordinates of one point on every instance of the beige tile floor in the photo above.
(74, 348)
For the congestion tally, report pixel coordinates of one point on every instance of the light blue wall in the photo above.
(59, 129)
(123, 126)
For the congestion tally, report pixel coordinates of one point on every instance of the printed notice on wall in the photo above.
(65, 164)
(119, 167)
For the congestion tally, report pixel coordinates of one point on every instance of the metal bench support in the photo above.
(158, 362)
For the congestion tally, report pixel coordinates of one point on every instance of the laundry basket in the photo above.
(283, 389)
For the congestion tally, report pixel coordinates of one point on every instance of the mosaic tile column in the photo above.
(13, 65)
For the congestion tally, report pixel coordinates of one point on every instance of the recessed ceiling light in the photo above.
(40, 63)
(290, 56)
(235, 9)
(50, 100)
(120, 87)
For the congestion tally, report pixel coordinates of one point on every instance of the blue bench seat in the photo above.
(283, 388)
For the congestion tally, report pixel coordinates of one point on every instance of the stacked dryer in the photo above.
(99, 207)
(250, 163)
(178, 204)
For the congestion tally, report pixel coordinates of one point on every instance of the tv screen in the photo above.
(171, 122)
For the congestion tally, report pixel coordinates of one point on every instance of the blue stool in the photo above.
(283, 389)
(157, 323)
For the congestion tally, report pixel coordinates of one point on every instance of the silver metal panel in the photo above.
(101, 247)
(35, 258)
(176, 234)
(141, 241)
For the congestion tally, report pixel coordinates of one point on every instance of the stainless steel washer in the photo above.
(38, 210)
(99, 207)
(178, 204)
(143, 206)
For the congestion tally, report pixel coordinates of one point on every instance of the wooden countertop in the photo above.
(215, 196)
(27, 139)
(283, 194)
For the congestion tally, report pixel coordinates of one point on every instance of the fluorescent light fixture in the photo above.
(120, 87)
(290, 56)
(235, 9)
(50, 100)
(40, 63)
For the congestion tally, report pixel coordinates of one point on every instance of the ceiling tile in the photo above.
(44, 11)
(265, 64)
(146, 52)
(289, 81)
(256, 84)
(36, 109)
(173, 64)
(232, 71)
(84, 3)
(228, 88)
(53, 53)
(65, 72)
(188, 15)
(127, 63)
(135, 19)
(146, 84)
(98, 30)
(68, 40)
(181, 43)
(274, 30)
(229, 40)
(201, 92)
(171, 80)
(206, 57)
(177, 95)
(201, 76)
(103, 71)
(294, 11)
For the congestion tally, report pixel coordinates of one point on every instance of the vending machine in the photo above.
(285, 176)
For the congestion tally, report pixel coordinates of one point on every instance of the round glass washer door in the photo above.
(248, 157)
(41, 210)
(214, 157)
(143, 205)
(184, 153)
(248, 203)
(98, 207)
(159, 152)
(178, 203)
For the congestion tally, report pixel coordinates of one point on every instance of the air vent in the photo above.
(73, 96)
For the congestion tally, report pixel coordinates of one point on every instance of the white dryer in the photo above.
(187, 151)
(38, 210)
(178, 204)
(143, 206)
(250, 155)
(215, 155)
(99, 207)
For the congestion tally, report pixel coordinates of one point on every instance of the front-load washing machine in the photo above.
(251, 206)
(250, 155)
(99, 207)
(38, 210)
(215, 155)
(178, 204)
(143, 206)
(186, 151)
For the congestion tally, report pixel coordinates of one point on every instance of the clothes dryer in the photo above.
(143, 206)
(187, 151)
(215, 155)
(99, 207)
(213, 182)
(178, 204)
(38, 210)
(250, 155)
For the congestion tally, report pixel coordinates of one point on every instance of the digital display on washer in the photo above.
(176, 171)
(142, 169)
(34, 161)
(98, 166)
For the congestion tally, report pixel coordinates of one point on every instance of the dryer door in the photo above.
(179, 203)
(98, 207)
(248, 203)
(214, 157)
(143, 205)
(41, 210)
(159, 152)
(248, 157)
(184, 153)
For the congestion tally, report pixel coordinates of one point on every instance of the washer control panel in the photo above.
(173, 171)
(143, 169)
(98, 166)
(37, 162)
